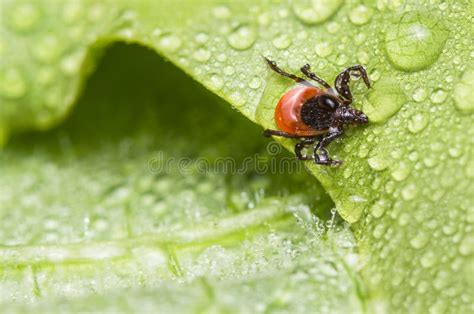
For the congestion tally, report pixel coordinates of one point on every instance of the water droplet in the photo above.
(24, 16)
(97, 12)
(72, 11)
(360, 15)
(385, 99)
(415, 41)
(45, 76)
(363, 57)
(466, 247)
(379, 231)
(428, 259)
(265, 19)
(12, 84)
(201, 38)
(281, 41)
(417, 123)
(221, 12)
(229, 70)
(71, 64)
(48, 49)
(169, 42)
(201, 55)
(323, 49)
(333, 27)
(242, 38)
(315, 11)
(420, 240)
(419, 94)
(378, 162)
(402, 172)
(470, 170)
(409, 192)
(464, 91)
(216, 82)
(255, 82)
(378, 208)
(238, 99)
(438, 96)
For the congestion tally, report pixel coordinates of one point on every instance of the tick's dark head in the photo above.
(349, 115)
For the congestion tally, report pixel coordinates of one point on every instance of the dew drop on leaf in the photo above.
(415, 41)
(385, 99)
(221, 12)
(12, 84)
(409, 192)
(242, 38)
(438, 96)
(464, 91)
(201, 55)
(47, 49)
(402, 172)
(216, 82)
(428, 259)
(378, 208)
(419, 94)
(281, 41)
(24, 16)
(360, 15)
(466, 247)
(378, 162)
(72, 11)
(420, 240)
(323, 49)
(169, 42)
(315, 11)
(417, 123)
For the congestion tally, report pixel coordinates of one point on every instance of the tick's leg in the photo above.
(268, 133)
(306, 69)
(342, 80)
(299, 147)
(321, 154)
(275, 68)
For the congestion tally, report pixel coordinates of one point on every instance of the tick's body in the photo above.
(310, 113)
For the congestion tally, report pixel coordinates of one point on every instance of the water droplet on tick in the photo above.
(47, 49)
(238, 99)
(417, 123)
(360, 15)
(281, 41)
(24, 16)
(385, 99)
(201, 55)
(169, 42)
(221, 12)
(242, 38)
(438, 96)
(12, 84)
(323, 49)
(315, 11)
(415, 41)
(464, 91)
(419, 94)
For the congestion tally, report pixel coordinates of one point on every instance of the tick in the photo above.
(317, 116)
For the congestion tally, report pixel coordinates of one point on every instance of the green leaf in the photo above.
(406, 179)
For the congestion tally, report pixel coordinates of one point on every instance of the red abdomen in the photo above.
(288, 111)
